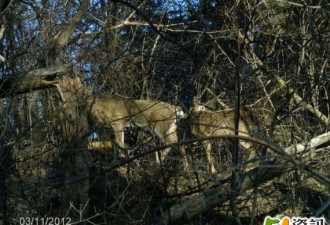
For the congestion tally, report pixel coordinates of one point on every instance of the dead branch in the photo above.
(296, 97)
(307, 106)
(33, 80)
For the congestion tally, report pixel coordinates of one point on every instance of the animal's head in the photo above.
(181, 114)
(197, 108)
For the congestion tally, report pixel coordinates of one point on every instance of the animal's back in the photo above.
(108, 110)
(156, 110)
(207, 123)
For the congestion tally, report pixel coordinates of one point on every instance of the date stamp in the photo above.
(44, 221)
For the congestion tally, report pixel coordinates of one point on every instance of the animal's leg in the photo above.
(120, 141)
(185, 157)
(171, 137)
(208, 153)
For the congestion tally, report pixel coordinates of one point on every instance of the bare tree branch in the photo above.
(62, 37)
(301, 5)
(296, 97)
(307, 106)
(4, 6)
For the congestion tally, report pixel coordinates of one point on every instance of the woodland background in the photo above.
(271, 56)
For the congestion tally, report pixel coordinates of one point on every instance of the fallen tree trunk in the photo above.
(271, 169)
(217, 196)
(33, 80)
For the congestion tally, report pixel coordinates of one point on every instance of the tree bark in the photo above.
(75, 155)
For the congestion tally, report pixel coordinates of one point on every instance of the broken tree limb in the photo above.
(33, 80)
(211, 198)
(312, 144)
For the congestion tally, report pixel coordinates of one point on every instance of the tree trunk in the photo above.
(75, 155)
